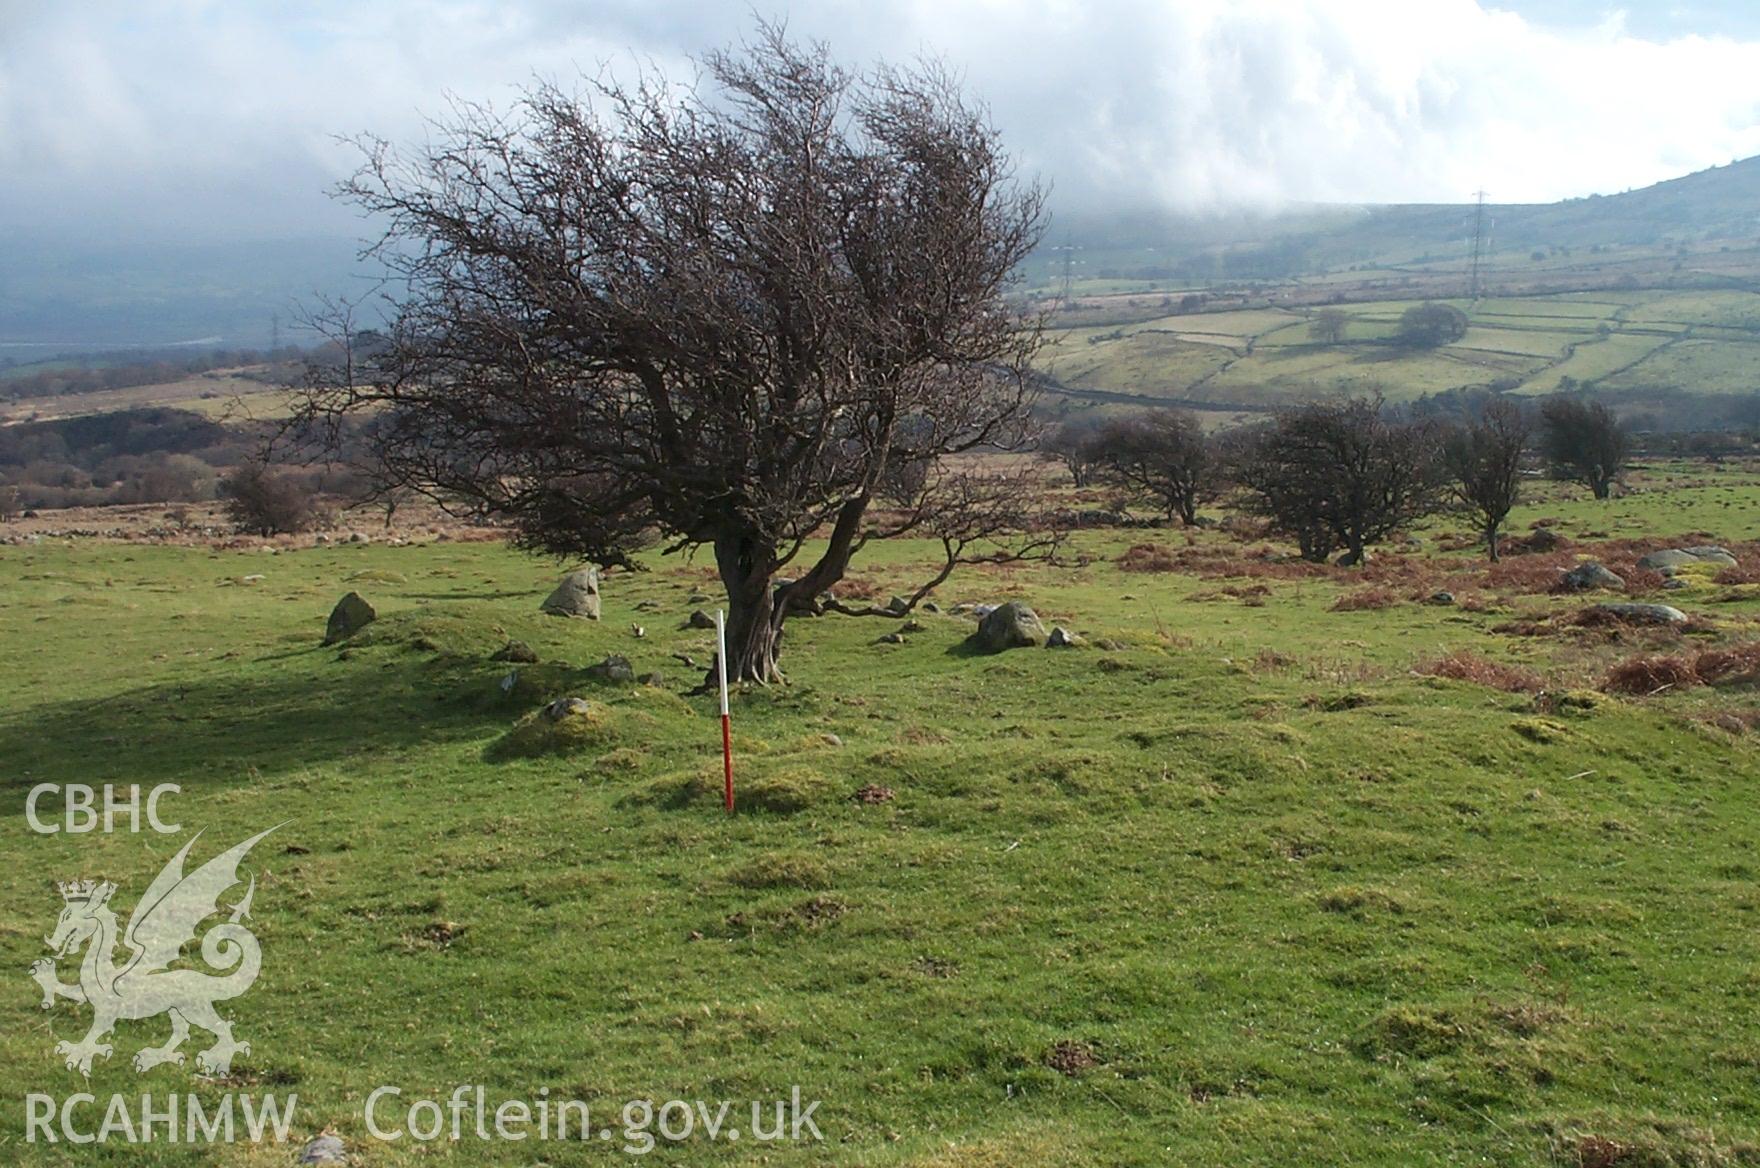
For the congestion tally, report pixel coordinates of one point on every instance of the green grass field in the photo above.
(1229, 884)
(1660, 341)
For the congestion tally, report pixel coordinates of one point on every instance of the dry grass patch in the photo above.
(1464, 665)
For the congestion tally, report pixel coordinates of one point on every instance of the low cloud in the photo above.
(192, 117)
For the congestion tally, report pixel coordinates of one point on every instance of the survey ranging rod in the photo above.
(726, 723)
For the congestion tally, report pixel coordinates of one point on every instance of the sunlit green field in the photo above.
(1232, 882)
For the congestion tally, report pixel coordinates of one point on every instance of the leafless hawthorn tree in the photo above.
(1340, 474)
(741, 315)
(1165, 455)
(1584, 442)
(1484, 459)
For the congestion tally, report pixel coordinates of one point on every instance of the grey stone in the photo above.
(576, 596)
(655, 679)
(700, 620)
(324, 1149)
(912, 626)
(1441, 597)
(516, 651)
(898, 604)
(1060, 638)
(1648, 614)
(562, 708)
(613, 668)
(351, 614)
(1542, 539)
(1012, 626)
(1682, 557)
(1346, 559)
(357, 537)
(930, 606)
(1590, 574)
(830, 739)
(892, 639)
(1676, 584)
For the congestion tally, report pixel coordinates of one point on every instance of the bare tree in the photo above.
(265, 500)
(757, 317)
(1074, 442)
(1583, 442)
(1484, 458)
(1329, 326)
(1165, 455)
(1340, 474)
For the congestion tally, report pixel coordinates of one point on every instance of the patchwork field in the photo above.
(1281, 865)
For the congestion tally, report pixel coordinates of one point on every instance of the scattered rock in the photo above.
(912, 626)
(697, 598)
(357, 537)
(830, 739)
(1683, 557)
(655, 679)
(1060, 638)
(898, 604)
(576, 596)
(1440, 598)
(930, 606)
(562, 708)
(1348, 559)
(1644, 614)
(891, 639)
(320, 539)
(613, 668)
(637, 631)
(516, 651)
(351, 614)
(1675, 583)
(982, 610)
(700, 620)
(1012, 626)
(1588, 575)
(324, 1149)
(647, 605)
(873, 793)
(508, 683)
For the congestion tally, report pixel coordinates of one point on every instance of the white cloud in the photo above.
(187, 116)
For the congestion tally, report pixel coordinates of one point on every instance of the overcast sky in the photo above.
(176, 119)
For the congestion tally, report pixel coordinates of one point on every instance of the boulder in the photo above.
(324, 1149)
(700, 620)
(1010, 626)
(1675, 584)
(1542, 539)
(1442, 598)
(930, 606)
(1060, 638)
(1347, 559)
(1683, 557)
(1588, 575)
(655, 679)
(898, 604)
(891, 639)
(351, 614)
(1644, 614)
(576, 596)
(613, 668)
(562, 708)
(516, 651)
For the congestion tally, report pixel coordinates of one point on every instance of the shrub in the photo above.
(1431, 325)
(1148, 557)
(1733, 665)
(1365, 599)
(1646, 675)
(1462, 665)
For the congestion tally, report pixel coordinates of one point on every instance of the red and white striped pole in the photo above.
(726, 723)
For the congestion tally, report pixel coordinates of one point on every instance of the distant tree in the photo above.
(1075, 443)
(1340, 474)
(266, 500)
(1431, 325)
(1584, 442)
(1329, 326)
(1484, 460)
(755, 316)
(9, 504)
(1165, 456)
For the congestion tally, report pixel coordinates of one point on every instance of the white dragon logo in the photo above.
(144, 986)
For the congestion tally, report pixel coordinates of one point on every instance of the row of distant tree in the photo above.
(85, 375)
(1342, 475)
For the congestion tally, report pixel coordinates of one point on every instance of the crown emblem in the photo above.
(77, 890)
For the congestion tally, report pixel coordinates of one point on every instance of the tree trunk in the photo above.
(754, 620)
(1491, 541)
